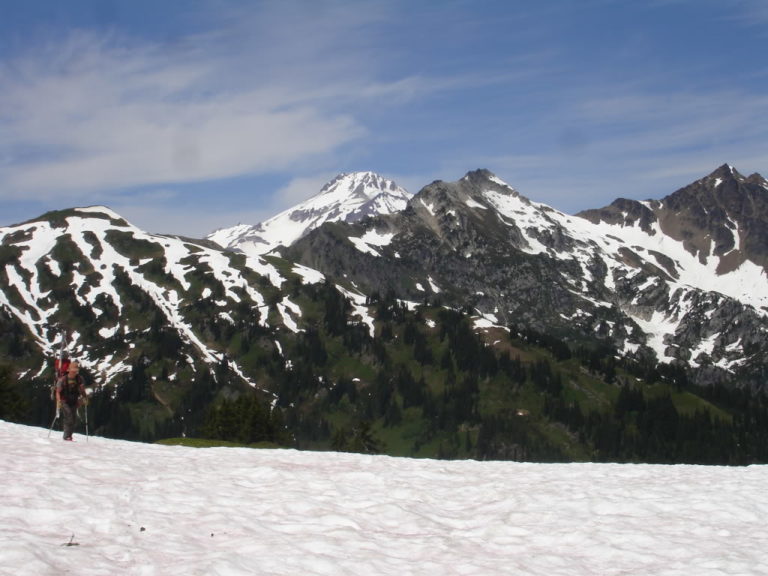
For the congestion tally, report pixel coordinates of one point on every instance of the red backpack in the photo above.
(61, 365)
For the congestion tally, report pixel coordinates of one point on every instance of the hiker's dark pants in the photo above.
(68, 419)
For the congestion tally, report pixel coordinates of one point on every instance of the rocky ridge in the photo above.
(681, 280)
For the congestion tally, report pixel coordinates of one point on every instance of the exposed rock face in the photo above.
(723, 215)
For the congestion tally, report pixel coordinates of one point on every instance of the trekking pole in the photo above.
(83, 419)
(55, 417)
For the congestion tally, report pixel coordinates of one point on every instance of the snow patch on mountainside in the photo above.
(371, 238)
(309, 275)
(227, 236)
(359, 308)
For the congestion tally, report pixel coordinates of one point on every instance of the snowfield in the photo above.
(108, 507)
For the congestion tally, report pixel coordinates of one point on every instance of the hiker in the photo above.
(70, 394)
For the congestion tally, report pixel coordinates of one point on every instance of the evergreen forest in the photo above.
(427, 383)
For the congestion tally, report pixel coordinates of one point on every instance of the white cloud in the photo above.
(98, 115)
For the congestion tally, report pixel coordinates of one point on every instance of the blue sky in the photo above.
(188, 116)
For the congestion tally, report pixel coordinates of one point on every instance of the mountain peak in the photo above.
(360, 185)
(723, 173)
(480, 173)
(725, 180)
(726, 173)
(484, 175)
(369, 183)
(349, 197)
(722, 214)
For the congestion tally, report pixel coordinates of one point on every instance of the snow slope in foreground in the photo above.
(128, 508)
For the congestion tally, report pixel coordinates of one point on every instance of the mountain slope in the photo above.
(643, 277)
(348, 198)
(109, 283)
(720, 220)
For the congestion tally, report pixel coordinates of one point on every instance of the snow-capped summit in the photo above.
(348, 197)
(361, 189)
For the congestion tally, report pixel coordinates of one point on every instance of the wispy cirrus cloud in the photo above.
(664, 121)
(97, 111)
(753, 13)
(642, 143)
(102, 115)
